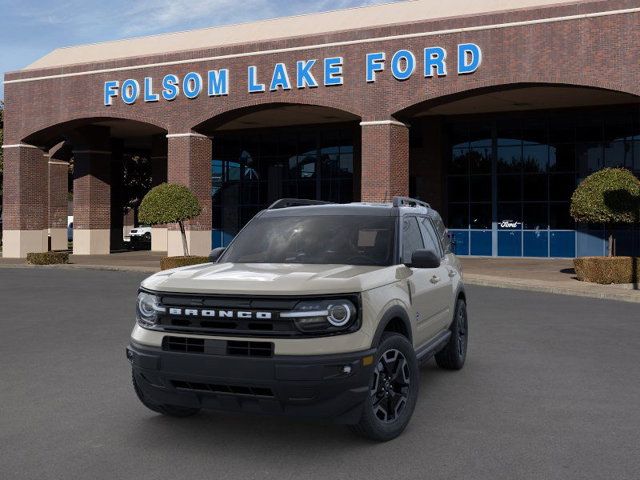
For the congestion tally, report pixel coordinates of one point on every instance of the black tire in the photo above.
(169, 410)
(454, 354)
(392, 399)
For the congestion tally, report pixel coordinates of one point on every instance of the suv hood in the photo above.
(271, 278)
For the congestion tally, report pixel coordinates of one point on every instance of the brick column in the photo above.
(25, 209)
(385, 160)
(58, 191)
(116, 225)
(91, 202)
(91, 191)
(158, 159)
(189, 164)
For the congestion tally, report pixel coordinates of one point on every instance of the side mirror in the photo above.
(215, 254)
(424, 259)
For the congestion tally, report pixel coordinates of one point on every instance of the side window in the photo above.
(430, 237)
(443, 235)
(411, 238)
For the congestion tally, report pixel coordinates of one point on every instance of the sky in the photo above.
(30, 29)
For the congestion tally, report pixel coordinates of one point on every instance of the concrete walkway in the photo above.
(540, 275)
(135, 261)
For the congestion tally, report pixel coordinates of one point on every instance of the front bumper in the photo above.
(323, 386)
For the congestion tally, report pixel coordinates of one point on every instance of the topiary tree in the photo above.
(170, 203)
(609, 196)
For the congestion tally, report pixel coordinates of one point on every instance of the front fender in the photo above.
(395, 311)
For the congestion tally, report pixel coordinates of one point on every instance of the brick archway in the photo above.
(48, 135)
(268, 151)
(514, 153)
(35, 203)
(456, 94)
(311, 112)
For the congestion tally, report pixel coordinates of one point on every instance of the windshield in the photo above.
(319, 239)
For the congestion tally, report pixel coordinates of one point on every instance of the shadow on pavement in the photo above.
(256, 434)
(568, 271)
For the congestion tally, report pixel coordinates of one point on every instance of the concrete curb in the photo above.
(604, 292)
(74, 266)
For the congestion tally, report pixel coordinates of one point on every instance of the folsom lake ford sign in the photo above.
(310, 73)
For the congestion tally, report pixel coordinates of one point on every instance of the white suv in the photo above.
(140, 236)
(314, 310)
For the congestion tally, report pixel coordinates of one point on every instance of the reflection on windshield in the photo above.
(343, 240)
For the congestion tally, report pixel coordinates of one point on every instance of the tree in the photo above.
(136, 181)
(170, 203)
(609, 196)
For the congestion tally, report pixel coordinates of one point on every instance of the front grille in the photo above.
(221, 325)
(233, 316)
(225, 389)
(217, 347)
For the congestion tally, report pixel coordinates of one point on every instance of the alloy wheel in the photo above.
(391, 384)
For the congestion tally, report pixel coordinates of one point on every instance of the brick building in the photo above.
(492, 111)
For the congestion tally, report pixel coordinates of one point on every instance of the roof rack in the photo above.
(295, 202)
(409, 202)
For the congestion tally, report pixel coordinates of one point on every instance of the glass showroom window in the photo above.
(253, 168)
(510, 179)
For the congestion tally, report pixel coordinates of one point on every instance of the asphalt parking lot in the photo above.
(551, 391)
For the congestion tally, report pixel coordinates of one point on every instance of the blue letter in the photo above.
(435, 57)
(170, 85)
(192, 85)
(280, 78)
(333, 71)
(466, 64)
(253, 86)
(130, 91)
(218, 82)
(110, 91)
(375, 63)
(149, 96)
(304, 76)
(409, 67)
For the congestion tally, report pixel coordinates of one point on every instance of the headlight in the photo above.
(323, 316)
(340, 314)
(147, 309)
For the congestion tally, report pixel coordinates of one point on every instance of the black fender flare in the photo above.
(460, 293)
(396, 311)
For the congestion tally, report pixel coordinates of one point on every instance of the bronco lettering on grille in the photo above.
(242, 314)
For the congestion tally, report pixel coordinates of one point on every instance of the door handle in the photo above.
(435, 279)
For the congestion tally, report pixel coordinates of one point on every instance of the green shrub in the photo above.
(170, 203)
(609, 196)
(47, 258)
(607, 270)
(175, 262)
